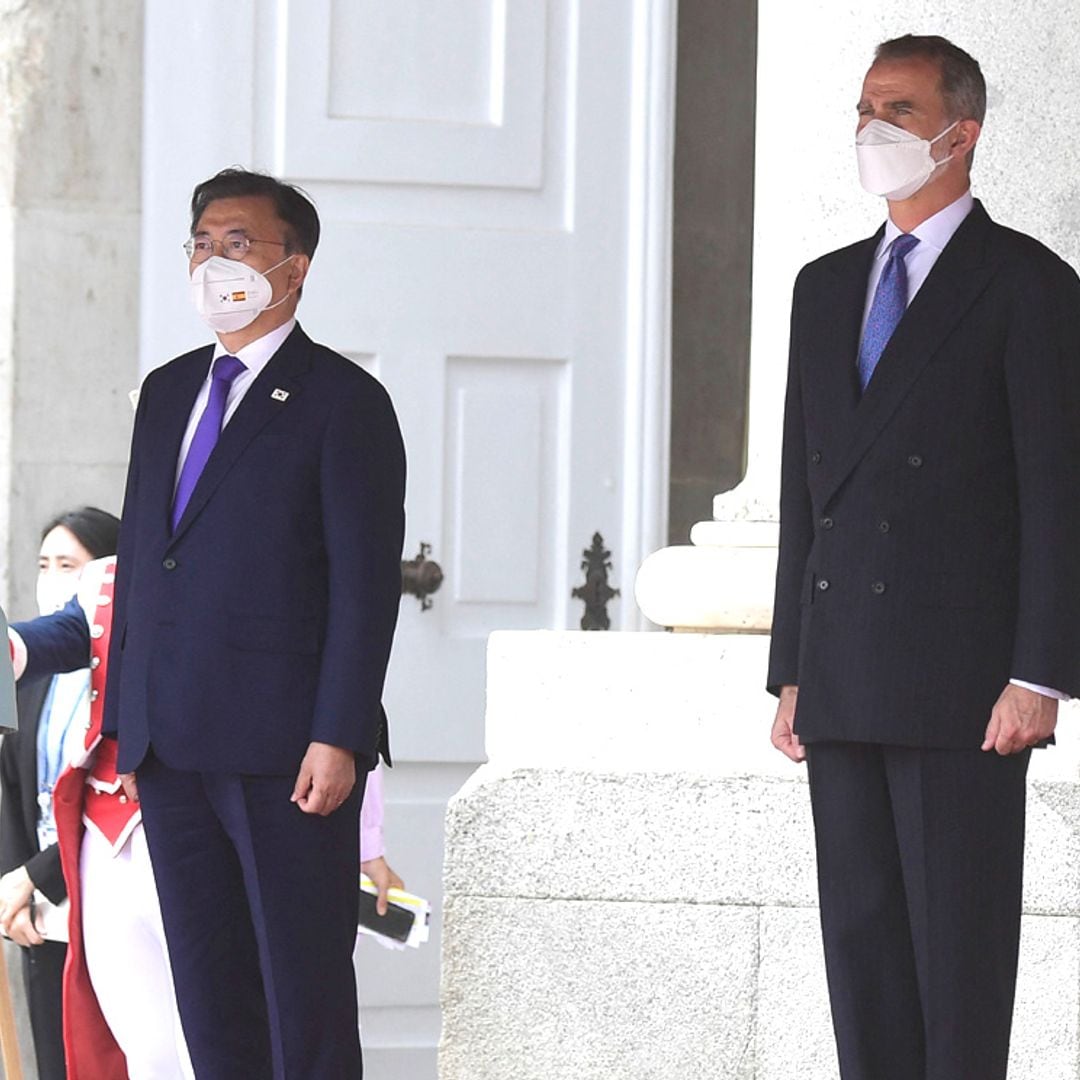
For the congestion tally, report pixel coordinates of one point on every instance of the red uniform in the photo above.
(88, 794)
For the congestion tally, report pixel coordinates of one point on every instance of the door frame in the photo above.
(647, 433)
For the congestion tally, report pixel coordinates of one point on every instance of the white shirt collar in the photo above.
(256, 354)
(936, 231)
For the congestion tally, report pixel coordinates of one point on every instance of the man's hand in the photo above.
(1021, 718)
(384, 879)
(327, 775)
(21, 929)
(16, 889)
(783, 735)
(130, 786)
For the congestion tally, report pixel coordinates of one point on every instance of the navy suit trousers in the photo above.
(260, 905)
(920, 873)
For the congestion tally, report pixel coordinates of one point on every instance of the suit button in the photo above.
(878, 588)
(169, 564)
(915, 461)
(827, 523)
(95, 663)
(94, 695)
(883, 526)
(815, 457)
(823, 584)
(97, 631)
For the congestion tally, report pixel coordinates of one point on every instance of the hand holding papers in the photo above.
(406, 923)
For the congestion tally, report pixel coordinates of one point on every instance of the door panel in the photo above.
(472, 163)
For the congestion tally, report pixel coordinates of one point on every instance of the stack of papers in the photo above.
(406, 924)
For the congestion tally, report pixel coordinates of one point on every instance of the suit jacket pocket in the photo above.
(271, 634)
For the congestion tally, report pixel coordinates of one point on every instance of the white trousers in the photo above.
(127, 958)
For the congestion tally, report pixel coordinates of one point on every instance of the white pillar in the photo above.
(811, 60)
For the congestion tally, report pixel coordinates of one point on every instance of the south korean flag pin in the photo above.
(279, 394)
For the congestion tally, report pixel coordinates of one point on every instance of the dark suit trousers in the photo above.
(259, 902)
(43, 975)
(920, 873)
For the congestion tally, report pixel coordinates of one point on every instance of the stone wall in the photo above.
(70, 138)
(630, 889)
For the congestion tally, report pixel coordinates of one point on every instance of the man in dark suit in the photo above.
(927, 616)
(257, 590)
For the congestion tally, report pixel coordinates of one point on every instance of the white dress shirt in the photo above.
(254, 356)
(934, 233)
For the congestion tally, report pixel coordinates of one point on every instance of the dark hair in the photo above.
(291, 204)
(97, 530)
(963, 87)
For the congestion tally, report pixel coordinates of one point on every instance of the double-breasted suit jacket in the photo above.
(930, 528)
(264, 622)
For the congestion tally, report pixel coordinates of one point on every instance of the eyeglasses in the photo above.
(234, 245)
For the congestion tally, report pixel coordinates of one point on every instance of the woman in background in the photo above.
(52, 714)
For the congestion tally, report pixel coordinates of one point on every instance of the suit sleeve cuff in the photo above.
(47, 873)
(1046, 691)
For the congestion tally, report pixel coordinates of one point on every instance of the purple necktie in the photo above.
(890, 303)
(225, 369)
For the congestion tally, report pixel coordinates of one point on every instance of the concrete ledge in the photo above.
(630, 882)
(668, 837)
(528, 998)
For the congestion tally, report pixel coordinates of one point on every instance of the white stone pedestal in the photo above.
(630, 885)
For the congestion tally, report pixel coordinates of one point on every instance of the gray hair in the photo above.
(963, 87)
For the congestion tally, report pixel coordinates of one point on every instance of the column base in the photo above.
(722, 583)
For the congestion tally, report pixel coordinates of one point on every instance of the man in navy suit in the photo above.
(927, 616)
(257, 591)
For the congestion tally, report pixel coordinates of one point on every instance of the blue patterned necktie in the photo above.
(890, 303)
(225, 369)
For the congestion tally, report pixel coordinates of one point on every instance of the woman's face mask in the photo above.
(54, 589)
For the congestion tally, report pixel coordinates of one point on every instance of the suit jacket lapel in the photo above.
(255, 411)
(835, 367)
(960, 274)
(169, 424)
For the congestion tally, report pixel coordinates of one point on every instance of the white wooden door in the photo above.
(491, 197)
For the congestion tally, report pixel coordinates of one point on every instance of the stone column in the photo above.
(70, 136)
(807, 201)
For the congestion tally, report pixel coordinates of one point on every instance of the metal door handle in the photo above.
(421, 576)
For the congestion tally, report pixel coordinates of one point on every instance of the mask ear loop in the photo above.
(278, 303)
(936, 138)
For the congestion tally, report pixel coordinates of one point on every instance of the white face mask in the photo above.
(230, 295)
(893, 162)
(54, 590)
